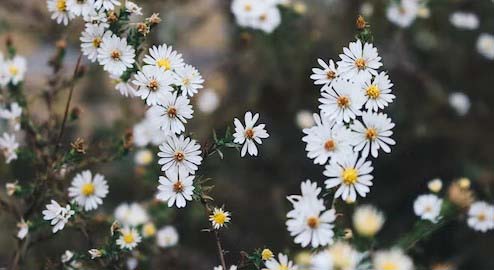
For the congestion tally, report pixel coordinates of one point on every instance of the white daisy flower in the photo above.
(378, 92)
(373, 134)
(106, 4)
(59, 11)
(219, 218)
(8, 147)
(23, 229)
(148, 132)
(115, 55)
(342, 101)
(80, 7)
(307, 200)
(164, 57)
(249, 134)
(126, 89)
(129, 238)
(351, 174)
(131, 214)
(58, 215)
(171, 112)
(392, 259)
(97, 17)
(403, 13)
(16, 69)
(459, 102)
(367, 220)
(91, 39)
(281, 263)
(325, 75)
(340, 256)
(181, 154)
(304, 119)
(167, 237)
(12, 115)
(189, 80)
(359, 61)
(208, 101)
(481, 216)
(175, 189)
(143, 157)
(464, 20)
(313, 227)
(327, 140)
(267, 20)
(133, 8)
(87, 191)
(428, 207)
(485, 45)
(152, 84)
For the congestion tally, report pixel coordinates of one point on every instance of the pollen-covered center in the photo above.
(87, 189)
(313, 222)
(329, 145)
(343, 101)
(97, 42)
(128, 238)
(349, 176)
(330, 74)
(164, 63)
(263, 17)
(116, 54)
(249, 133)
(360, 63)
(153, 85)
(371, 134)
(171, 112)
(13, 70)
(178, 187)
(186, 81)
(389, 266)
(481, 217)
(179, 156)
(61, 5)
(373, 91)
(248, 7)
(219, 218)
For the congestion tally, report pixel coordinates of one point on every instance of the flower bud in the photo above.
(360, 23)
(266, 254)
(435, 185)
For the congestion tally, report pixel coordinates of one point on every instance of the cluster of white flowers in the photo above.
(263, 15)
(350, 126)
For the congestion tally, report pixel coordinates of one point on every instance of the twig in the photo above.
(220, 249)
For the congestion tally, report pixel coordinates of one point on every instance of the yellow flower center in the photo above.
(186, 81)
(329, 145)
(13, 70)
(164, 63)
(172, 112)
(349, 176)
(179, 156)
(219, 218)
(178, 187)
(248, 7)
(115, 55)
(249, 133)
(481, 217)
(389, 266)
(313, 222)
(283, 267)
(87, 189)
(330, 75)
(360, 63)
(97, 42)
(371, 134)
(373, 91)
(343, 101)
(61, 5)
(149, 229)
(128, 238)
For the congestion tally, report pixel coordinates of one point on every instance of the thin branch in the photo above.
(220, 249)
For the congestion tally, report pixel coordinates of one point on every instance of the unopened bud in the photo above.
(360, 23)
(154, 19)
(143, 29)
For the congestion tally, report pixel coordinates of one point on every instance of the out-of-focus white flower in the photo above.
(153, 83)
(171, 112)
(325, 75)
(175, 189)
(392, 259)
(106, 4)
(12, 115)
(133, 8)
(80, 7)
(12, 187)
(219, 267)
(342, 101)
(59, 11)
(167, 237)
(132, 263)
(404, 13)
(428, 207)
(181, 154)
(372, 134)
(340, 256)
(67, 256)
(147, 132)
(95, 253)
(327, 140)
(91, 39)
(481, 216)
(15, 69)
(8, 147)
(126, 89)
(115, 55)
(250, 134)
(87, 191)
(464, 20)
(281, 263)
(219, 218)
(261, 15)
(351, 174)
(164, 57)
(23, 229)
(208, 101)
(129, 238)
(368, 220)
(359, 61)
(267, 20)
(131, 215)
(57, 215)
(148, 230)
(485, 45)
(189, 79)
(459, 102)
(143, 157)
(367, 9)
(304, 119)
(435, 185)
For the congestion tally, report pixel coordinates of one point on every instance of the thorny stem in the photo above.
(67, 105)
